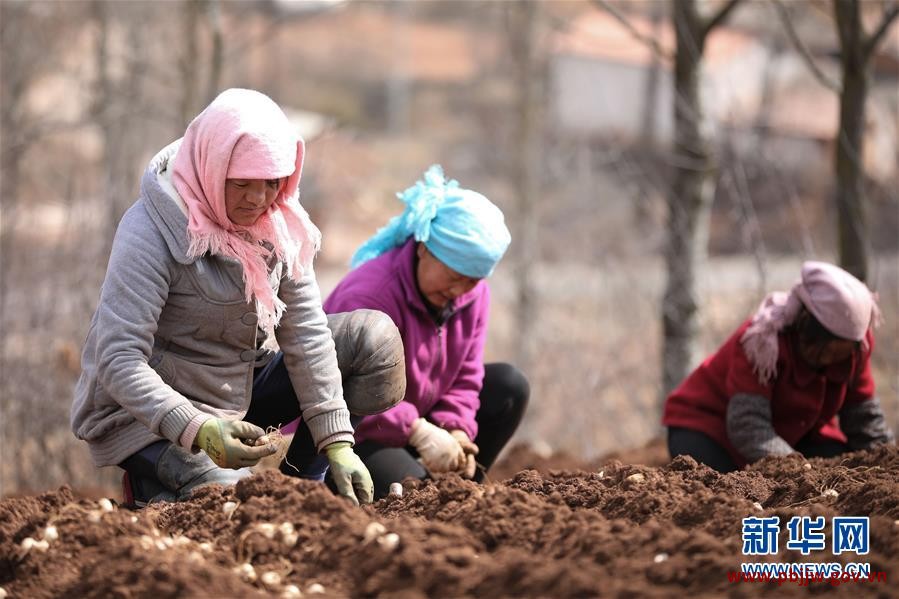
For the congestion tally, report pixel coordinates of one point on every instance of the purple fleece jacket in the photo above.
(444, 364)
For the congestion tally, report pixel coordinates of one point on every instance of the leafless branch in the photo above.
(803, 50)
(889, 16)
(719, 17)
(638, 35)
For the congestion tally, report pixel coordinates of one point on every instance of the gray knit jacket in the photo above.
(173, 341)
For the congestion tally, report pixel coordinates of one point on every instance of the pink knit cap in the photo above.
(839, 301)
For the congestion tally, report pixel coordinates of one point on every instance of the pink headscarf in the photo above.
(839, 301)
(243, 134)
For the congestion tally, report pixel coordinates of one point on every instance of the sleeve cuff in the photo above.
(187, 438)
(175, 424)
(330, 427)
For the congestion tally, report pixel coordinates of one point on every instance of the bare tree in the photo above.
(691, 194)
(856, 49)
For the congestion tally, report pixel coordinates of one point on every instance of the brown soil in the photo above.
(559, 533)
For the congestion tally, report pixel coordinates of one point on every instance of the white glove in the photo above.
(439, 450)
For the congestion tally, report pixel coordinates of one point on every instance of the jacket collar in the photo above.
(164, 205)
(406, 261)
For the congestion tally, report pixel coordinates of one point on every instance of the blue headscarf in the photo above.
(460, 227)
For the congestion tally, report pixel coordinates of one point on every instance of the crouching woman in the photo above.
(795, 378)
(178, 384)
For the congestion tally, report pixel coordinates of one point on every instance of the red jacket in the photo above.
(803, 400)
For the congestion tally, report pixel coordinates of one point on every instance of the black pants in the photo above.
(504, 398)
(705, 450)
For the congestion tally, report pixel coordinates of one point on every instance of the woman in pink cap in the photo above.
(211, 266)
(780, 382)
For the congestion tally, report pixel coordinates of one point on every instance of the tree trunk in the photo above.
(526, 168)
(853, 240)
(689, 203)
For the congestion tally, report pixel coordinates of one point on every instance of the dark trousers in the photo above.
(504, 398)
(274, 404)
(705, 450)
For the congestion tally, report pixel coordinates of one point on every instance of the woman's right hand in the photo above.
(439, 450)
(230, 443)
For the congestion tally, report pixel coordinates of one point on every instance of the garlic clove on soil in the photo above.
(373, 531)
(833, 493)
(50, 533)
(270, 579)
(291, 590)
(246, 572)
(660, 557)
(806, 466)
(267, 529)
(396, 489)
(635, 479)
(315, 589)
(389, 542)
(758, 506)
(228, 507)
(27, 544)
(105, 505)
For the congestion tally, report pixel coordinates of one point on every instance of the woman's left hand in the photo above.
(349, 473)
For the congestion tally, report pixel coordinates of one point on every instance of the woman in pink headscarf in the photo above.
(778, 385)
(210, 267)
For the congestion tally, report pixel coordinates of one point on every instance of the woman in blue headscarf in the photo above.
(427, 270)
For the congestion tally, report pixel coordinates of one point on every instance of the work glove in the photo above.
(470, 450)
(232, 444)
(439, 450)
(349, 473)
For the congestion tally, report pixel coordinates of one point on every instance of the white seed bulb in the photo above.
(270, 579)
(147, 542)
(291, 590)
(27, 544)
(286, 528)
(807, 466)
(758, 506)
(246, 572)
(41, 545)
(315, 589)
(290, 540)
(160, 544)
(830, 493)
(93, 516)
(373, 531)
(602, 474)
(389, 541)
(636, 478)
(660, 557)
(396, 489)
(105, 505)
(267, 529)
(205, 547)
(50, 533)
(228, 507)
(134, 519)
